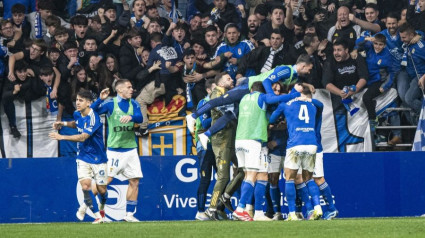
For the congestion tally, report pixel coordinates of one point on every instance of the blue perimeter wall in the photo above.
(363, 185)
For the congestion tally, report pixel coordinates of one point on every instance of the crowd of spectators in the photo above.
(49, 52)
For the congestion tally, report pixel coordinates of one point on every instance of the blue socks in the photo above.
(290, 195)
(304, 196)
(131, 206)
(247, 190)
(313, 189)
(90, 200)
(326, 193)
(201, 202)
(275, 195)
(260, 192)
(208, 133)
(103, 197)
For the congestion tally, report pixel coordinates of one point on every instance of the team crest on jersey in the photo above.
(413, 51)
(336, 35)
(81, 54)
(239, 51)
(379, 62)
(272, 77)
(351, 35)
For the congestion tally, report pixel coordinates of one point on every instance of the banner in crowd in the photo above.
(419, 141)
(345, 133)
(47, 190)
(168, 134)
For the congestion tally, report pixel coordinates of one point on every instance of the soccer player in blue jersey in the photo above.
(251, 156)
(283, 73)
(319, 173)
(91, 156)
(300, 114)
(122, 112)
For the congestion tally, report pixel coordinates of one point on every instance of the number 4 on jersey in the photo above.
(303, 114)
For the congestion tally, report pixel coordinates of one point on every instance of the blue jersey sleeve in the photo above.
(137, 113)
(102, 107)
(277, 113)
(206, 117)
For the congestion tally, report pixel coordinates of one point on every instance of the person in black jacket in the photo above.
(223, 12)
(265, 58)
(131, 56)
(417, 20)
(23, 88)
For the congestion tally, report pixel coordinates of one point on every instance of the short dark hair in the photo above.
(79, 20)
(40, 43)
(278, 7)
(209, 82)
(133, 32)
(53, 50)
(60, 31)
(261, 9)
(69, 45)
(20, 65)
(150, 7)
(46, 71)
(308, 38)
(372, 5)
(219, 76)
(306, 91)
(86, 94)
(393, 15)
(258, 87)
(304, 58)
(18, 8)
(188, 51)
(211, 28)
(341, 42)
(53, 20)
(95, 18)
(121, 81)
(46, 5)
(381, 38)
(156, 37)
(406, 27)
(277, 31)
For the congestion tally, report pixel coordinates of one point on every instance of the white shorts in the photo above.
(98, 172)
(249, 155)
(301, 156)
(125, 163)
(275, 163)
(318, 167)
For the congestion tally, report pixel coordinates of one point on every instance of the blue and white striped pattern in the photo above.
(419, 141)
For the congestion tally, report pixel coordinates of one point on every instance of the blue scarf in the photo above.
(137, 23)
(404, 58)
(189, 87)
(51, 104)
(38, 26)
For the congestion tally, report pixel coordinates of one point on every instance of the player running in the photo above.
(91, 156)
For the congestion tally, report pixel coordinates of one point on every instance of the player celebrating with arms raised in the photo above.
(122, 112)
(91, 156)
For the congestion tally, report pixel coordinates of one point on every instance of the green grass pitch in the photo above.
(377, 227)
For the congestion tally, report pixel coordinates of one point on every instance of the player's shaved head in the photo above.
(120, 82)
(257, 87)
